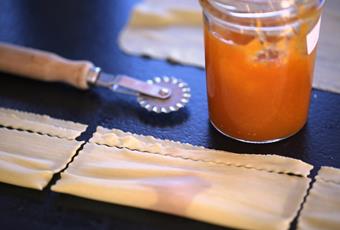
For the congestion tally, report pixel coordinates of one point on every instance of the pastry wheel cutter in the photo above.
(160, 95)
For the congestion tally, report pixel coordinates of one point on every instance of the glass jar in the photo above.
(260, 58)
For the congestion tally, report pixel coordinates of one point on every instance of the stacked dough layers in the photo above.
(248, 192)
(30, 159)
(270, 163)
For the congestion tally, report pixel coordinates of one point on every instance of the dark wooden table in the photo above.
(84, 29)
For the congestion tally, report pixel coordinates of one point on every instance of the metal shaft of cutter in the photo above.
(129, 85)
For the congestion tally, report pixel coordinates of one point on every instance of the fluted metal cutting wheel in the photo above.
(179, 97)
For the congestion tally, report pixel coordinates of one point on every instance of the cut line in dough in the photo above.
(269, 162)
(30, 159)
(322, 207)
(224, 195)
(40, 123)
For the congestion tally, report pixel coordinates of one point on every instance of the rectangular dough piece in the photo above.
(269, 162)
(224, 195)
(40, 123)
(322, 207)
(30, 160)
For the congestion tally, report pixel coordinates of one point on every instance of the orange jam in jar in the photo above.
(259, 66)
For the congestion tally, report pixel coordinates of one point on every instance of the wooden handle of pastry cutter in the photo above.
(42, 65)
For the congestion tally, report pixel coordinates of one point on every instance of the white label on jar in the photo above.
(313, 37)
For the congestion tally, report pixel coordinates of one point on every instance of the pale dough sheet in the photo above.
(327, 68)
(274, 163)
(322, 207)
(30, 160)
(40, 123)
(167, 29)
(224, 195)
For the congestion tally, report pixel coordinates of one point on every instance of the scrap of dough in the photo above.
(155, 13)
(40, 123)
(224, 195)
(165, 30)
(30, 160)
(322, 207)
(150, 144)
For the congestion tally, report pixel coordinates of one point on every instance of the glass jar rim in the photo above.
(251, 15)
(262, 9)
